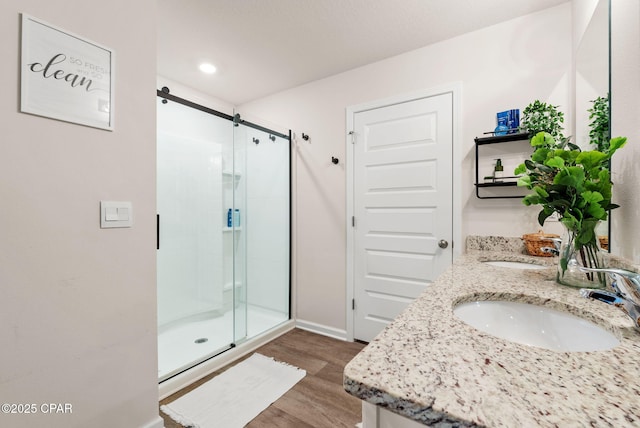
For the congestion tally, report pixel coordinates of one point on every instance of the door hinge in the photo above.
(353, 137)
(353, 304)
(353, 221)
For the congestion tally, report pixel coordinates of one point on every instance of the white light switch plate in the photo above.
(115, 214)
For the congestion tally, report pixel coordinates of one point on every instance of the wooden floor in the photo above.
(318, 400)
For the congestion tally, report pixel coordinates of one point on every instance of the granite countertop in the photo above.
(430, 366)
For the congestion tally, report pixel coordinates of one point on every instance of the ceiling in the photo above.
(261, 47)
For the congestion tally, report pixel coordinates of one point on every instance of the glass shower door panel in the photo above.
(238, 262)
(191, 299)
(267, 224)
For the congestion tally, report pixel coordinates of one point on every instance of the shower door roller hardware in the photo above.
(352, 134)
(443, 244)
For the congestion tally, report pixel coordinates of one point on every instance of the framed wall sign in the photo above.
(64, 76)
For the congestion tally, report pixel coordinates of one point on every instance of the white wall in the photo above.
(625, 111)
(500, 67)
(77, 303)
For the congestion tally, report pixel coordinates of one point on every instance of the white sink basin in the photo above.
(535, 326)
(514, 265)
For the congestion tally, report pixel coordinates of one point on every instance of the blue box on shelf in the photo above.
(508, 122)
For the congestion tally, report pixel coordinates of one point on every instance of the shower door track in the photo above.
(217, 353)
(162, 93)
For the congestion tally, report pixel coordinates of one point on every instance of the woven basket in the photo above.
(534, 242)
(604, 242)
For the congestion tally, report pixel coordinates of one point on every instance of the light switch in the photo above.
(111, 213)
(115, 214)
(123, 213)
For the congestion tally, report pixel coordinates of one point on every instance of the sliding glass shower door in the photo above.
(190, 254)
(262, 161)
(223, 233)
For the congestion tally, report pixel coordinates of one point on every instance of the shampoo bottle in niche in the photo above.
(229, 217)
(236, 218)
(498, 172)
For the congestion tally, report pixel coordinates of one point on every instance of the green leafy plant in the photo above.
(599, 132)
(542, 117)
(576, 184)
(573, 183)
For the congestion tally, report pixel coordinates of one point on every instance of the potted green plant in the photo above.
(542, 117)
(577, 186)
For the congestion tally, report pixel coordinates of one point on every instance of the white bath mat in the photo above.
(236, 396)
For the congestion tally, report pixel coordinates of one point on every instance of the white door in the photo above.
(402, 204)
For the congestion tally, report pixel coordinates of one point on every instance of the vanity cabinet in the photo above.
(518, 148)
(377, 417)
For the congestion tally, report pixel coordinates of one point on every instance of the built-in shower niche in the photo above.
(232, 234)
(219, 284)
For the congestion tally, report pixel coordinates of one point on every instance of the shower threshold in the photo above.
(184, 344)
(187, 377)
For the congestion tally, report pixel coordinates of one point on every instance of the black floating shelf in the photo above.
(502, 138)
(480, 141)
(502, 184)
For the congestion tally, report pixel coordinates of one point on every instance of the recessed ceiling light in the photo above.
(207, 68)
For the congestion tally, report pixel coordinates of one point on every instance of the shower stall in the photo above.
(223, 250)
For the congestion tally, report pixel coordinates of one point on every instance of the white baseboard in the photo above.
(158, 422)
(321, 329)
(182, 380)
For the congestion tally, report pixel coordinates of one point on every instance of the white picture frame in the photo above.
(64, 76)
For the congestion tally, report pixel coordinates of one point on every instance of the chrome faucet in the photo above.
(626, 285)
(555, 250)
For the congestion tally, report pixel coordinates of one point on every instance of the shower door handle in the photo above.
(157, 231)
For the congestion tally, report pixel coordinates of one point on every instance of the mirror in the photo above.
(591, 75)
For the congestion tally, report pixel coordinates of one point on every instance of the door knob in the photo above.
(443, 244)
